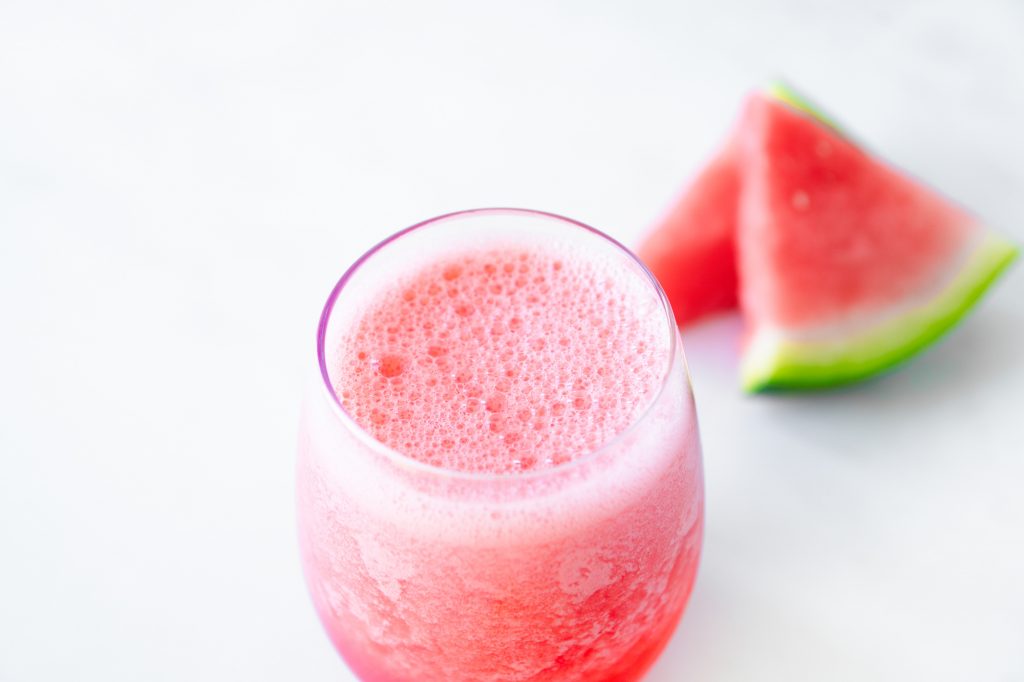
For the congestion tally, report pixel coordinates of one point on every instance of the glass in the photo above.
(579, 571)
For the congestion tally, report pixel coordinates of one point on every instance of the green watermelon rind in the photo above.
(775, 362)
(787, 94)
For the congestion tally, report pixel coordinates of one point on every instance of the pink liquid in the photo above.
(569, 550)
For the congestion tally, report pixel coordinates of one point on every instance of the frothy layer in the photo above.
(504, 360)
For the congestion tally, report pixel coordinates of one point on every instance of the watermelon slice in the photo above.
(847, 266)
(692, 249)
(692, 252)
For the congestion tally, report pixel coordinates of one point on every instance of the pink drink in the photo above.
(499, 477)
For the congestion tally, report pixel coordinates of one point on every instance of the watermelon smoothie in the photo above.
(499, 473)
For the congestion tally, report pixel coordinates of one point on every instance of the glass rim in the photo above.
(409, 462)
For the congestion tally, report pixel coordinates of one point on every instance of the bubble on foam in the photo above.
(390, 365)
(504, 360)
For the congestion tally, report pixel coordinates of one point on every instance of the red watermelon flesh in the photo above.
(828, 232)
(691, 251)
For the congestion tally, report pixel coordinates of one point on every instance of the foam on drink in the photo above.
(502, 360)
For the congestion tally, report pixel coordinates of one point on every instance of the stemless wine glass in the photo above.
(578, 571)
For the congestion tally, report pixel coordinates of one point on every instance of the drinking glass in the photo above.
(578, 571)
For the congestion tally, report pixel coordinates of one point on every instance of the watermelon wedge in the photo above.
(692, 249)
(847, 266)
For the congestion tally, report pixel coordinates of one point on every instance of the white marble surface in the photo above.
(181, 184)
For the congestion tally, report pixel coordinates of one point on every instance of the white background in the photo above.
(181, 185)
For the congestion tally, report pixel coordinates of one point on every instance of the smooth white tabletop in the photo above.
(182, 183)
